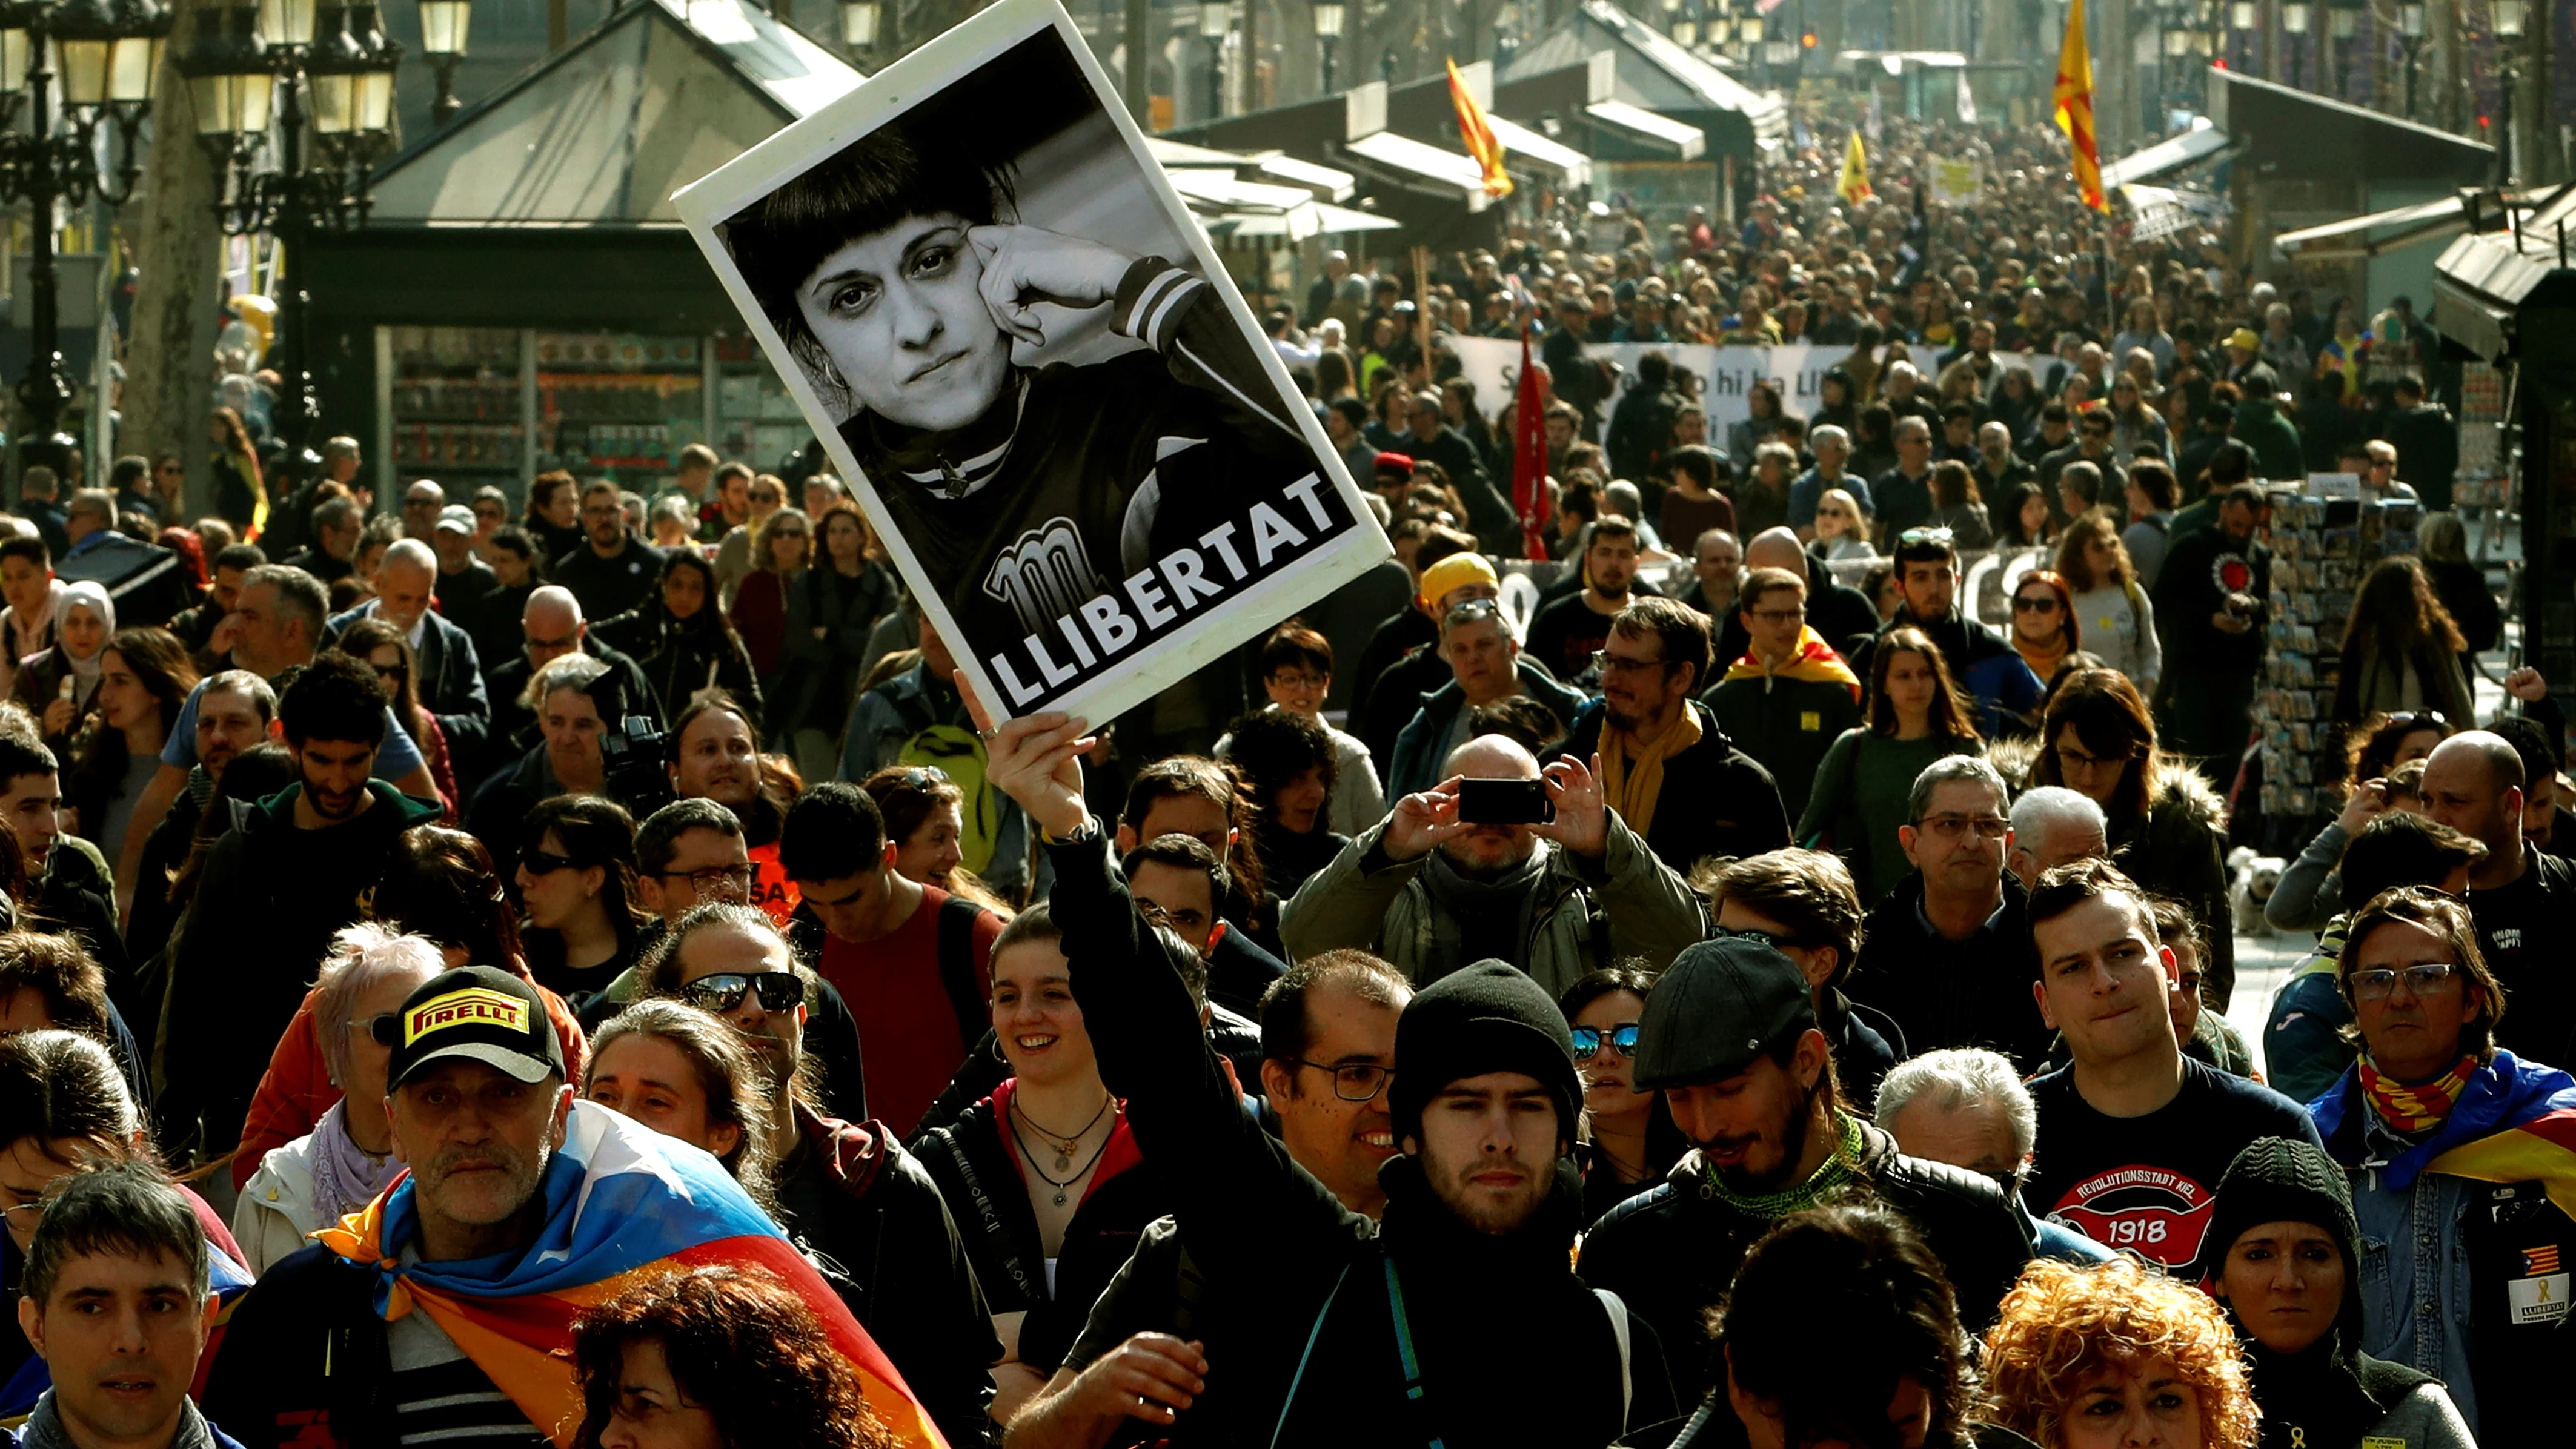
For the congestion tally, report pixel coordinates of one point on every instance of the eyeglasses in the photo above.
(922, 777)
(546, 862)
(1353, 1081)
(710, 877)
(2071, 758)
(391, 671)
(724, 991)
(25, 1215)
(1776, 940)
(1295, 679)
(383, 1030)
(1472, 611)
(2041, 604)
(1588, 1040)
(1609, 663)
(2424, 980)
(1950, 827)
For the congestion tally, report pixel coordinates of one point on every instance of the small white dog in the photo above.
(2251, 880)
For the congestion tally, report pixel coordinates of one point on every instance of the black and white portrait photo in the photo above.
(1086, 461)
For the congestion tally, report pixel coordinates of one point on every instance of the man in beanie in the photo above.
(2452, 1143)
(1730, 1037)
(1317, 1325)
(2291, 1277)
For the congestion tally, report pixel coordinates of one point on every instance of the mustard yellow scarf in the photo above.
(1632, 771)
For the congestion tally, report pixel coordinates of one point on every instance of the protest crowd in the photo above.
(600, 978)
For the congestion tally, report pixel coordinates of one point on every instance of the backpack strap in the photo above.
(1316, 1332)
(1618, 1312)
(957, 967)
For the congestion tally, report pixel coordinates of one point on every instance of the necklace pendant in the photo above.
(1063, 1162)
(1059, 1197)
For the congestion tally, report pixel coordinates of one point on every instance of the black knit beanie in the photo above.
(1489, 1017)
(2281, 1180)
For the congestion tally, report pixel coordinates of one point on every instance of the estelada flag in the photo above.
(1529, 457)
(2074, 102)
(620, 1210)
(1478, 135)
(1855, 182)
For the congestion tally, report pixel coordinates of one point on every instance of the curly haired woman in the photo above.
(2091, 1358)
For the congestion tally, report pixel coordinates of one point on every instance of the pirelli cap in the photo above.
(476, 1013)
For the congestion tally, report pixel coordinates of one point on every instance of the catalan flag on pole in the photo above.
(1855, 182)
(1479, 137)
(2074, 102)
(621, 1208)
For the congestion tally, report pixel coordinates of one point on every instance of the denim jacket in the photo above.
(2415, 1267)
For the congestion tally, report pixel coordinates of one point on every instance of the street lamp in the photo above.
(1216, 17)
(108, 52)
(443, 26)
(2507, 18)
(2410, 39)
(1328, 29)
(284, 51)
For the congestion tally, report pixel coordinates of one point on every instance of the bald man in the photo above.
(1451, 878)
(444, 665)
(551, 626)
(2522, 898)
(1839, 614)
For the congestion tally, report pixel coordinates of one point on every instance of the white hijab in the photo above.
(85, 595)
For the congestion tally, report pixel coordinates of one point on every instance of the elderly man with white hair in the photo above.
(1966, 1106)
(340, 1166)
(2054, 826)
(444, 666)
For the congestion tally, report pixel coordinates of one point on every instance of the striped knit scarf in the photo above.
(2420, 1107)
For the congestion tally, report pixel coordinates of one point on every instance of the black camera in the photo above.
(635, 761)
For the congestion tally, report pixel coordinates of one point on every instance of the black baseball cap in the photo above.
(476, 1013)
(1719, 1006)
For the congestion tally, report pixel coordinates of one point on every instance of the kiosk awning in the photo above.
(1521, 141)
(1422, 167)
(2171, 154)
(1686, 142)
(2353, 237)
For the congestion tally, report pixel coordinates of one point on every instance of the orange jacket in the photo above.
(296, 1089)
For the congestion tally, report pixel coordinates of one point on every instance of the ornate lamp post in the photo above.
(2295, 15)
(2509, 18)
(1328, 29)
(287, 51)
(443, 26)
(104, 54)
(861, 22)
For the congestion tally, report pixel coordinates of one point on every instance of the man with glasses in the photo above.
(1966, 1106)
(1949, 953)
(715, 755)
(1730, 1037)
(1666, 766)
(1789, 696)
(612, 570)
(1328, 1049)
(551, 625)
(420, 506)
(846, 1188)
(916, 972)
(1485, 666)
(2139, 1134)
(2429, 1124)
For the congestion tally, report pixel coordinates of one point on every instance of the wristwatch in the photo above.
(1087, 833)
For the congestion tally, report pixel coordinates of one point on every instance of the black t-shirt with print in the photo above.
(2523, 932)
(2148, 1184)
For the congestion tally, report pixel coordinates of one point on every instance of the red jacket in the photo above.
(296, 1089)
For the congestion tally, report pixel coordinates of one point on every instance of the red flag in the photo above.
(1529, 457)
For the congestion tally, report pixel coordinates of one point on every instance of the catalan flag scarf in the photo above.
(624, 1204)
(2513, 1121)
(1814, 661)
(2418, 1108)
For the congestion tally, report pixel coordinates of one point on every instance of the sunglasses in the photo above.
(922, 777)
(724, 991)
(1588, 1040)
(546, 862)
(2035, 606)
